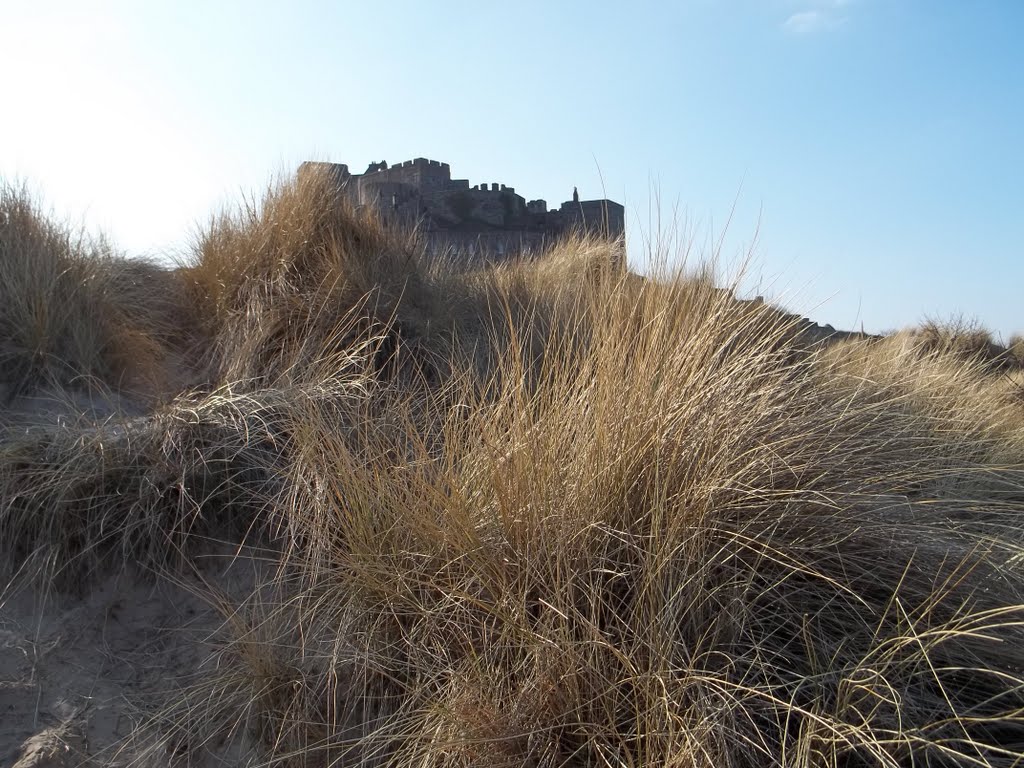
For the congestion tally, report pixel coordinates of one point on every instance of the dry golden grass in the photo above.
(675, 544)
(943, 392)
(965, 339)
(279, 284)
(554, 514)
(73, 311)
(1015, 347)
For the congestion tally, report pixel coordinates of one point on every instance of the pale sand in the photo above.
(78, 674)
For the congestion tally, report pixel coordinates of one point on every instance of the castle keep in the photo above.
(483, 218)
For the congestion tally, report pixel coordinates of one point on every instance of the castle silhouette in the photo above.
(488, 219)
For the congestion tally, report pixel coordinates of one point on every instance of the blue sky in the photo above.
(869, 151)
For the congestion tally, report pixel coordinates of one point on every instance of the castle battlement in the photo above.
(491, 216)
(418, 162)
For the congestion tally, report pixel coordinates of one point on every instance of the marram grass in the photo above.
(551, 514)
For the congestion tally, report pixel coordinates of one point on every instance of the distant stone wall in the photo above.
(483, 217)
(425, 175)
(601, 216)
(496, 208)
(487, 246)
(384, 193)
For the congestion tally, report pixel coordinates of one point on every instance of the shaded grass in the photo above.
(967, 340)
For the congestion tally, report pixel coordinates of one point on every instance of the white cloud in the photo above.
(804, 22)
(822, 16)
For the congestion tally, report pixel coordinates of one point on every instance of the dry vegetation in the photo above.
(535, 514)
(73, 312)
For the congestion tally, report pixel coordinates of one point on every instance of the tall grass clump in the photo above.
(963, 338)
(80, 501)
(1015, 347)
(75, 312)
(670, 539)
(281, 282)
(276, 282)
(83, 498)
(944, 393)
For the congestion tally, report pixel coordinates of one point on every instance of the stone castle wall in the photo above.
(478, 218)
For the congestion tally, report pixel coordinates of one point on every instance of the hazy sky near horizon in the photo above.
(869, 152)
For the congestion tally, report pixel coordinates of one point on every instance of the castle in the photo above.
(484, 219)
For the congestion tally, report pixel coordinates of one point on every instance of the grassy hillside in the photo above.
(537, 514)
